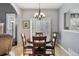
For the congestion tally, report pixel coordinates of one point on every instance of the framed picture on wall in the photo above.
(26, 24)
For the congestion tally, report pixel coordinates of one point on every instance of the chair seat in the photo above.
(47, 42)
(49, 47)
(30, 47)
(40, 49)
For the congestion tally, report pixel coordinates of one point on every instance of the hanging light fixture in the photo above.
(39, 14)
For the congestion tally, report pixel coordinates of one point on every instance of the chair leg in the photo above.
(53, 52)
(23, 52)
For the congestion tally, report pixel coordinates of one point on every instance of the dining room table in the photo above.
(39, 44)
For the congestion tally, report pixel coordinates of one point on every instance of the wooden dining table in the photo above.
(39, 45)
(31, 42)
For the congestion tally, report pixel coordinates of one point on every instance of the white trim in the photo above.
(64, 49)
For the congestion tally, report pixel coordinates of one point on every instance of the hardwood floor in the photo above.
(60, 52)
(17, 51)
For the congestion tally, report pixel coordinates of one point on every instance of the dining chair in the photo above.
(50, 47)
(26, 47)
(39, 44)
(39, 33)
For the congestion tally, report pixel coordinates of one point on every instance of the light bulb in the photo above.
(39, 16)
(36, 15)
(54, 34)
(42, 14)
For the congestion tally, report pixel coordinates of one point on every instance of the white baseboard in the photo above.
(64, 49)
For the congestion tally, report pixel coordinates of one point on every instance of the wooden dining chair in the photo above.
(39, 44)
(39, 33)
(25, 46)
(51, 46)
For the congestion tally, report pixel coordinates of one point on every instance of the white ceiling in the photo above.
(36, 5)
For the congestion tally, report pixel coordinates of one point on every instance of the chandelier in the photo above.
(39, 14)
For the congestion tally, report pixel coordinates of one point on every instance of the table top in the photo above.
(31, 42)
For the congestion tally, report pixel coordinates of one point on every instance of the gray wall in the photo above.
(5, 8)
(69, 39)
